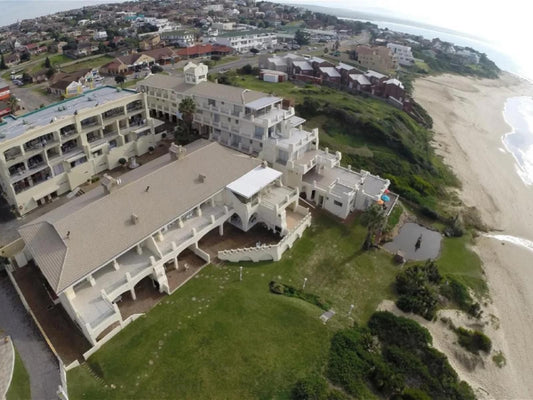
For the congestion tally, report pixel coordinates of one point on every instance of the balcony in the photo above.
(200, 225)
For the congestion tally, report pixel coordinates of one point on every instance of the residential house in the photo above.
(359, 82)
(150, 42)
(202, 50)
(329, 74)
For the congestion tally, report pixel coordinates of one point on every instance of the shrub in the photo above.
(216, 58)
(398, 331)
(473, 341)
(151, 148)
(417, 288)
(457, 292)
(290, 291)
(122, 161)
(311, 388)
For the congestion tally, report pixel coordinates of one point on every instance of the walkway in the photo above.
(7, 357)
(39, 361)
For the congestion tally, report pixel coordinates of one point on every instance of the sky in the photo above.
(506, 25)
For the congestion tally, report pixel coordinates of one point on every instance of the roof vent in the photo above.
(264, 164)
(202, 178)
(176, 152)
(134, 219)
(108, 182)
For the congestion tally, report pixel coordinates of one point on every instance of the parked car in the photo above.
(18, 82)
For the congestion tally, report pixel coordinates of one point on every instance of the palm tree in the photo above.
(376, 219)
(187, 108)
(13, 104)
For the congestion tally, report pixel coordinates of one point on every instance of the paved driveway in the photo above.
(41, 364)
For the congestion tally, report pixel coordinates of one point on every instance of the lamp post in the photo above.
(240, 273)
(305, 281)
(351, 308)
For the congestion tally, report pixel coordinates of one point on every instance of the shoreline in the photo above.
(469, 125)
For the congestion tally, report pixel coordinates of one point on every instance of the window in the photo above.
(58, 169)
(211, 102)
(337, 203)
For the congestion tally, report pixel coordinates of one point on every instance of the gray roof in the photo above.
(14, 127)
(303, 65)
(230, 94)
(360, 78)
(330, 71)
(99, 224)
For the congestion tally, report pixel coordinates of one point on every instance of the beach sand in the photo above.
(469, 125)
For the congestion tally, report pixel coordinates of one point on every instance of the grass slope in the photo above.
(19, 389)
(219, 338)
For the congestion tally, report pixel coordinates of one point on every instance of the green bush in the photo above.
(398, 331)
(310, 388)
(458, 293)
(290, 291)
(473, 341)
(417, 287)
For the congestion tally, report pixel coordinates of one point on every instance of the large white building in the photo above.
(53, 150)
(402, 53)
(256, 123)
(243, 41)
(97, 247)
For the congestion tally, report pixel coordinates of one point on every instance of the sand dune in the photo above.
(469, 125)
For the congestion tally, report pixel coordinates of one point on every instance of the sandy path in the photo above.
(468, 125)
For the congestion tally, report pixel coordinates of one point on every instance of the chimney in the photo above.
(134, 219)
(176, 152)
(108, 182)
(202, 178)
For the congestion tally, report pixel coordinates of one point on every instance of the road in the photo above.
(41, 364)
(30, 98)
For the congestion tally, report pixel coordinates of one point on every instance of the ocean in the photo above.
(518, 113)
(15, 11)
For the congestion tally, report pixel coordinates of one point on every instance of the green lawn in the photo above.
(92, 63)
(219, 338)
(19, 389)
(460, 261)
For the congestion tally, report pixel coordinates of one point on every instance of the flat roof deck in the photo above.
(14, 127)
(253, 181)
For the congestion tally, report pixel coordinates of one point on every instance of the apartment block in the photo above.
(379, 58)
(258, 124)
(53, 150)
(244, 41)
(403, 54)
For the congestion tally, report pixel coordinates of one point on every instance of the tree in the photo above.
(50, 72)
(2, 63)
(25, 56)
(120, 79)
(187, 108)
(375, 220)
(302, 37)
(13, 103)
(47, 63)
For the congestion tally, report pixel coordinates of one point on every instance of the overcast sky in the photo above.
(506, 24)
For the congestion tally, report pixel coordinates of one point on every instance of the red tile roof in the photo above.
(200, 49)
